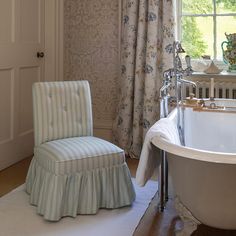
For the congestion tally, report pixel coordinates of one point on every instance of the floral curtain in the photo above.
(147, 29)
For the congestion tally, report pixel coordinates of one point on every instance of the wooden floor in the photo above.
(13, 176)
(152, 223)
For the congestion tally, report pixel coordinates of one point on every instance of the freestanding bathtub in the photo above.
(203, 172)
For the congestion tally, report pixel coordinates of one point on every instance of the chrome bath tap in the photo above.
(173, 77)
(177, 72)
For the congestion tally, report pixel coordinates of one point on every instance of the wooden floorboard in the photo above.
(152, 223)
(13, 176)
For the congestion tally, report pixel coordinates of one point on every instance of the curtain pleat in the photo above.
(147, 29)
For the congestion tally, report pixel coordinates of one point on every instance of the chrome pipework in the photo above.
(177, 73)
(172, 79)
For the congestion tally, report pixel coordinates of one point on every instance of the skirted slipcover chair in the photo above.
(73, 172)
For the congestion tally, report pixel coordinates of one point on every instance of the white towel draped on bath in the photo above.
(150, 158)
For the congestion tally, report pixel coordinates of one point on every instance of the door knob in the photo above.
(40, 54)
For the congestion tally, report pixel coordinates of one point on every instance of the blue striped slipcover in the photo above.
(73, 172)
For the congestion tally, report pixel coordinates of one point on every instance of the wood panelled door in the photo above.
(21, 37)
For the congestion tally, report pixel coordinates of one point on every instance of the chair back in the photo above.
(61, 110)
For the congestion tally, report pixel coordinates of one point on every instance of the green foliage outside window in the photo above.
(197, 6)
(227, 4)
(192, 38)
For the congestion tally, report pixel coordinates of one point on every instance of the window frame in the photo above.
(214, 15)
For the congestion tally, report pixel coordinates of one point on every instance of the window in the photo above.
(202, 26)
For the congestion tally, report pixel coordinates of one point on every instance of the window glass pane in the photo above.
(197, 6)
(225, 24)
(225, 6)
(197, 36)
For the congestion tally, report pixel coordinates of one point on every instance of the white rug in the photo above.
(18, 218)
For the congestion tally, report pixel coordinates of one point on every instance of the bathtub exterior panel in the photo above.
(206, 189)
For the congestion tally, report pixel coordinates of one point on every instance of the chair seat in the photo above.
(70, 155)
(78, 176)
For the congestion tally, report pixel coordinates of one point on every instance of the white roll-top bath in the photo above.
(203, 171)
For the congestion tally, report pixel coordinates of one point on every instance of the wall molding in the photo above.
(54, 39)
(103, 129)
(103, 124)
(59, 54)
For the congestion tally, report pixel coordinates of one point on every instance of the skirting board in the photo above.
(103, 129)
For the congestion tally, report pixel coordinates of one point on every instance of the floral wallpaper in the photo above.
(91, 38)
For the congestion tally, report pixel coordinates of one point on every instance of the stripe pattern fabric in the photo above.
(73, 172)
(67, 156)
(57, 196)
(61, 110)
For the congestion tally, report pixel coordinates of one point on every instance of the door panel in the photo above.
(21, 37)
(30, 21)
(28, 76)
(6, 114)
(6, 20)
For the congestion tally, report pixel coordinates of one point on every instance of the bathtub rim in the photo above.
(192, 153)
